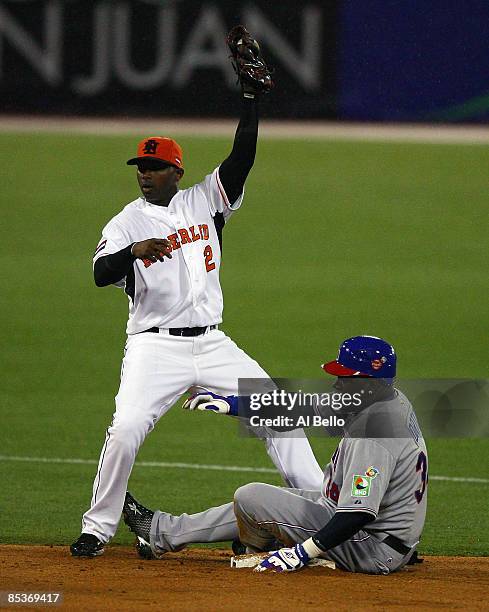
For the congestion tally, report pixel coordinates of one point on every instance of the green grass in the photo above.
(334, 239)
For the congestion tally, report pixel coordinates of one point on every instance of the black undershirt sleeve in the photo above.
(112, 268)
(340, 528)
(236, 167)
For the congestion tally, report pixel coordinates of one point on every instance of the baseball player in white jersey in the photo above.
(368, 514)
(164, 249)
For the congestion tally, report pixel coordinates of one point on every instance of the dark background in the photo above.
(384, 60)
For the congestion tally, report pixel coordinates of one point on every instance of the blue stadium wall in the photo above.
(413, 60)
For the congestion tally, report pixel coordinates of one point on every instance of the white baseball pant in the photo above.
(157, 370)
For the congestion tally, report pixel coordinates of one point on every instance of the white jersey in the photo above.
(183, 291)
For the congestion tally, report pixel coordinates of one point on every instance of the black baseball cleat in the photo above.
(138, 519)
(238, 547)
(87, 545)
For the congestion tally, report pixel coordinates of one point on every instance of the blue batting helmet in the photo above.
(364, 356)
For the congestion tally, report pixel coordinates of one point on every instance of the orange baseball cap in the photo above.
(160, 149)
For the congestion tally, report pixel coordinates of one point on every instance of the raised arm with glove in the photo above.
(254, 76)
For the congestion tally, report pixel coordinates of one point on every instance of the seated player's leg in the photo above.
(169, 533)
(266, 513)
(156, 371)
(160, 532)
(221, 363)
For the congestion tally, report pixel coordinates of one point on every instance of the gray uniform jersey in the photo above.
(385, 476)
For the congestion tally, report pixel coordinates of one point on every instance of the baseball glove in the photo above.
(254, 75)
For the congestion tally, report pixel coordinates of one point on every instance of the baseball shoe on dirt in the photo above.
(238, 547)
(87, 545)
(138, 519)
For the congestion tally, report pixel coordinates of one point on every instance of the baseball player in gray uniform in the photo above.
(370, 510)
(164, 249)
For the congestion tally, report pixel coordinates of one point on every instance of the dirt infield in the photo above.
(201, 579)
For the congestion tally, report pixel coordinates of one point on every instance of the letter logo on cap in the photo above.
(150, 147)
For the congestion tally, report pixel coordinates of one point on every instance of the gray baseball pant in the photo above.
(266, 513)
(170, 533)
(261, 515)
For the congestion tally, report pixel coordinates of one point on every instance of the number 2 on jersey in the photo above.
(209, 264)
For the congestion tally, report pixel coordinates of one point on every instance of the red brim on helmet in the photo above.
(336, 369)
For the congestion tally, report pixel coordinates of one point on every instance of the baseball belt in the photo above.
(397, 545)
(186, 332)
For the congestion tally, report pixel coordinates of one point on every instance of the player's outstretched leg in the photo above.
(160, 532)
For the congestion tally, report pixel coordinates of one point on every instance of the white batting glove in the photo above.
(207, 401)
